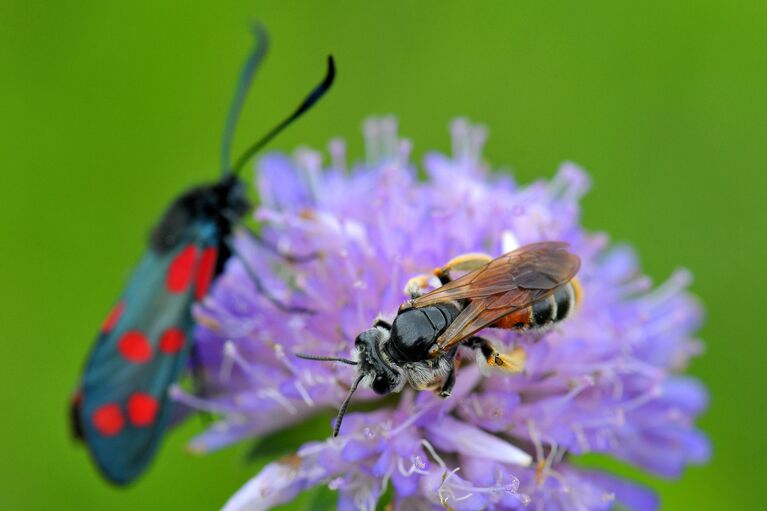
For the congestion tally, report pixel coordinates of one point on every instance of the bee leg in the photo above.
(293, 309)
(382, 323)
(449, 381)
(463, 262)
(416, 286)
(488, 356)
(271, 247)
(448, 384)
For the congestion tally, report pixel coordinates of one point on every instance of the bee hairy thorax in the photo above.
(544, 313)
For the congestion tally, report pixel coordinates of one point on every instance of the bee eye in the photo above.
(381, 385)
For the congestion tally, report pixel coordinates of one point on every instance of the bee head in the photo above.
(374, 364)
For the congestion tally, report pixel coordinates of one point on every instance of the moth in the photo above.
(121, 409)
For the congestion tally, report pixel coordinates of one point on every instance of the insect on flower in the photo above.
(122, 408)
(609, 380)
(530, 288)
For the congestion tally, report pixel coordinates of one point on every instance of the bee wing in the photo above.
(122, 408)
(503, 286)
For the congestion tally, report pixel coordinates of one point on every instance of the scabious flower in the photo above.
(608, 380)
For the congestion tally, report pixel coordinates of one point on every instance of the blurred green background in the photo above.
(108, 109)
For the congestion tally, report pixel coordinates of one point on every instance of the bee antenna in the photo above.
(307, 103)
(345, 405)
(326, 359)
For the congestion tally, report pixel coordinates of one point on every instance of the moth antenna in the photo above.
(345, 405)
(243, 85)
(307, 103)
(326, 359)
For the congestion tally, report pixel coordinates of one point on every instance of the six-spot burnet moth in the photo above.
(121, 408)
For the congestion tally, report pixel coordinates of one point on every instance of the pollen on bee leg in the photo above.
(464, 262)
(513, 362)
(416, 285)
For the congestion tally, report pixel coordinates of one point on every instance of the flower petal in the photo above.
(277, 483)
(452, 435)
(280, 183)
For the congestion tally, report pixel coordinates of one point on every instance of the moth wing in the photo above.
(123, 406)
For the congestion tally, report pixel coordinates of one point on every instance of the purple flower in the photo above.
(605, 381)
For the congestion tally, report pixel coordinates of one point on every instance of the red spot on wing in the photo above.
(108, 419)
(205, 272)
(172, 340)
(135, 347)
(142, 409)
(113, 318)
(181, 270)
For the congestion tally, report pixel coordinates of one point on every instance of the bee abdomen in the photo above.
(556, 307)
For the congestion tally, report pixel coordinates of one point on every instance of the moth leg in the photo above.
(271, 247)
(463, 262)
(449, 382)
(293, 309)
(488, 356)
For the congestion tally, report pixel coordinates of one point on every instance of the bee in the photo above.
(529, 289)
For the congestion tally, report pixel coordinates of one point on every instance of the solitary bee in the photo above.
(528, 289)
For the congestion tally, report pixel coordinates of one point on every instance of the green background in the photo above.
(108, 109)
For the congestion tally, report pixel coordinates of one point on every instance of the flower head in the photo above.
(605, 381)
